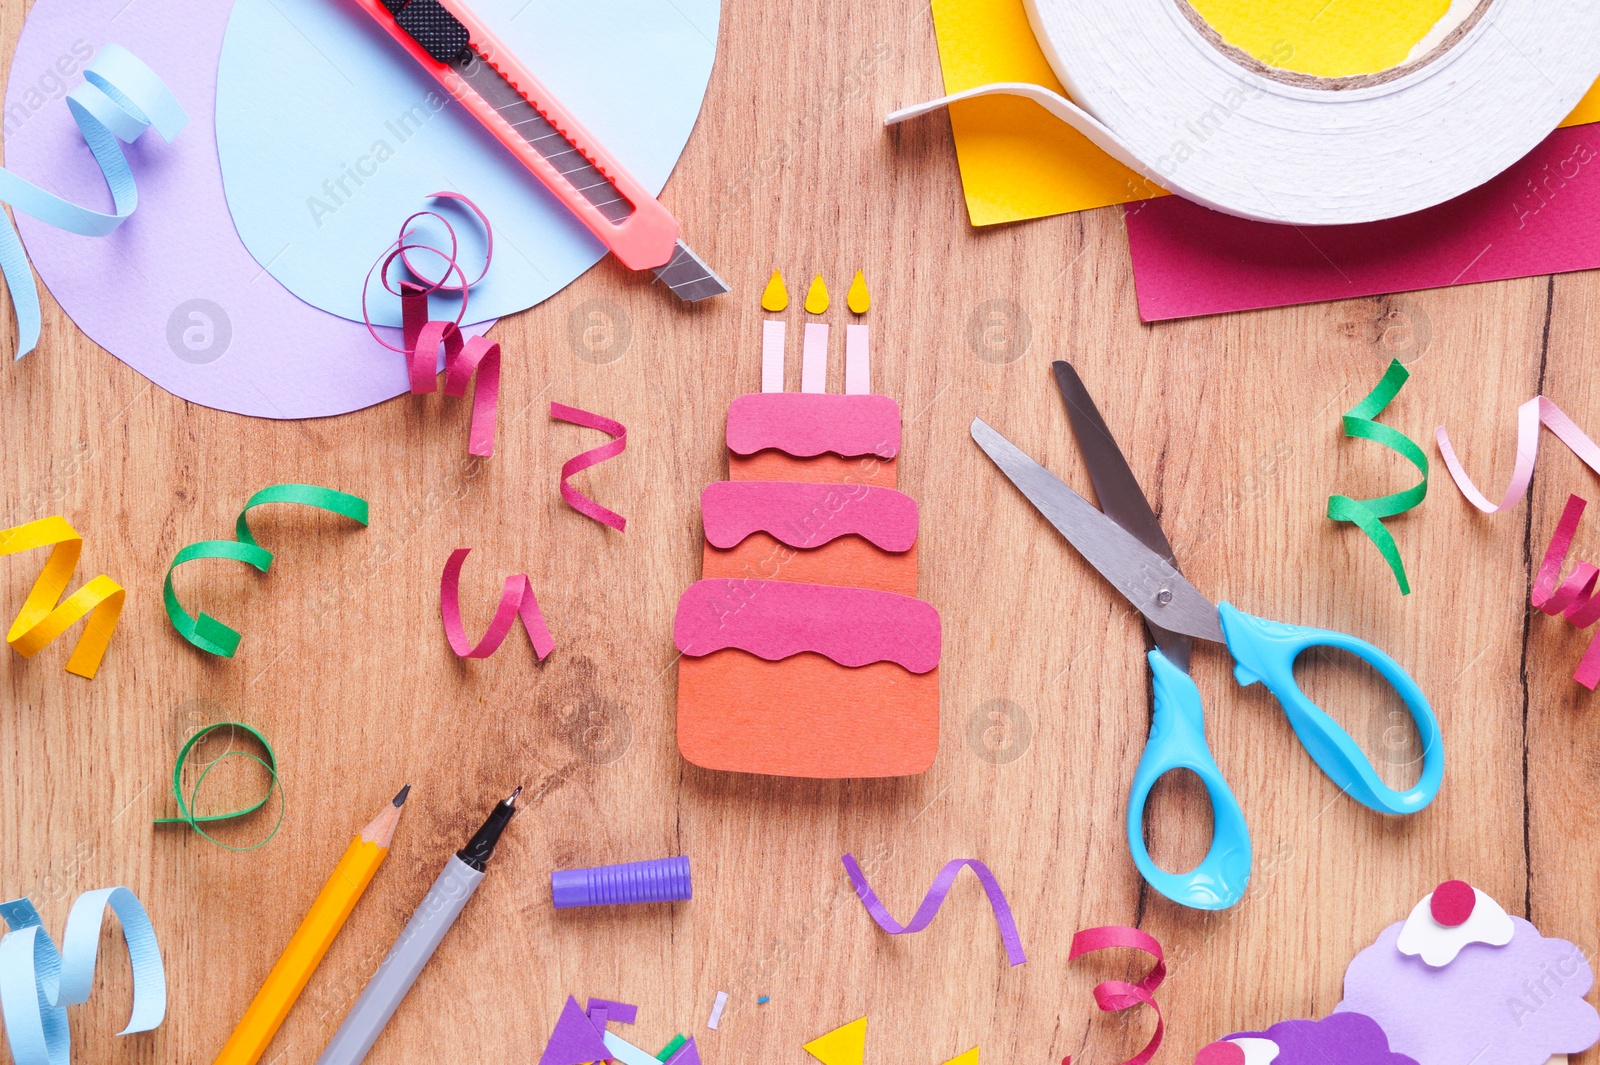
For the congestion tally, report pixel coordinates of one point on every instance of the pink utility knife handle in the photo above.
(645, 239)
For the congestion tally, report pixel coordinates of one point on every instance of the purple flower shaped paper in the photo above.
(1517, 1004)
(1345, 1038)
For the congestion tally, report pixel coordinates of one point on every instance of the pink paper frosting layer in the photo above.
(808, 515)
(776, 619)
(803, 424)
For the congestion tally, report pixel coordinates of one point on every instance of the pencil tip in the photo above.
(400, 799)
(512, 801)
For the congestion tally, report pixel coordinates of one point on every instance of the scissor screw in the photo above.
(1164, 596)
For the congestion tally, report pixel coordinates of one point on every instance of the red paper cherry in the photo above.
(1452, 903)
(1221, 1053)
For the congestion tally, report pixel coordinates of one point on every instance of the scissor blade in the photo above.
(1118, 491)
(1148, 581)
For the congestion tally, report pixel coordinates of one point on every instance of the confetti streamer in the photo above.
(187, 806)
(1360, 422)
(593, 457)
(1113, 996)
(119, 100)
(205, 631)
(1529, 416)
(38, 982)
(935, 898)
(463, 356)
(42, 619)
(516, 600)
(1574, 597)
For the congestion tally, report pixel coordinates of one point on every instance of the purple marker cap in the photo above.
(658, 880)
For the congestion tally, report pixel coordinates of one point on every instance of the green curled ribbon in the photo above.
(205, 631)
(1367, 514)
(186, 807)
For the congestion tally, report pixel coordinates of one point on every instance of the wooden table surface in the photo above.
(1232, 424)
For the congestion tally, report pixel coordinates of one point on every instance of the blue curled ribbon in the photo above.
(119, 99)
(37, 983)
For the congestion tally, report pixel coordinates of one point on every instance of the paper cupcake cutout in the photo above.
(1344, 1038)
(1452, 917)
(1458, 981)
(805, 650)
(1519, 1003)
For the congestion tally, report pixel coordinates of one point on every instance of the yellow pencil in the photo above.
(313, 938)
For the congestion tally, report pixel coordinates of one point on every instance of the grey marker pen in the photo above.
(417, 942)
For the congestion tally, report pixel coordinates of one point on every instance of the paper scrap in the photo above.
(205, 631)
(1574, 598)
(187, 805)
(593, 457)
(38, 982)
(1360, 423)
(775, 297)
(1016, 160)
(969, 1058)
(1529, 416)
(716, 1011)
(858, 298)
(773, 336)
(463, 356)
(574, 1041)
(806, 424)
(326, 129)
(857, 361)
(516, 600)
(619, 1049)
(814, 359)
(42, 618)
(666, 1052)
(1529, 220)
(846, 1045)
(621, 1012)
(685, 1054)
(935, 898)
(196, 317)
(817, 296)
(119, 100)
(1113, 996)
(806, 515)
(776, 619)
(1346, 1038)
(1516, 1004)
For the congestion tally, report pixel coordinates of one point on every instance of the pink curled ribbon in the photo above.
(1113, 996)
(516, 600)
(935, 898)
(593, 457)
(1529, 416)
(1574, 597)
(463, 356)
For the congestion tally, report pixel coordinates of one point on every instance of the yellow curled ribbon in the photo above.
(42, 618)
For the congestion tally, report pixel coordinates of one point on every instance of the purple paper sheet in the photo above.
(174, 293)
(1345, 1038)
(1536, 218)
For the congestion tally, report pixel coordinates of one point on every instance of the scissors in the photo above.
(1126, 544)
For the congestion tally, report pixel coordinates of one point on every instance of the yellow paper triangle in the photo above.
(842, 1046)
(969, 1058)
(817, 296)
(858, 298)
(776, 297)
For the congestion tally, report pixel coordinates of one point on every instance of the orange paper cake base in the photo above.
(806, 716)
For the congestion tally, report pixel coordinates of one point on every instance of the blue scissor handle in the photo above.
(1178, 741)
(1265, 650)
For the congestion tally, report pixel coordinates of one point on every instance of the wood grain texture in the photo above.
(1232, 424)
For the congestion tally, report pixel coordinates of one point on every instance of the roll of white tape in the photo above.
(1159, 90)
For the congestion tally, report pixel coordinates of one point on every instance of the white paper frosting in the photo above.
(1438, 945)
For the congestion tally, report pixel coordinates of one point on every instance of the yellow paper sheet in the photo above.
(1018, 162)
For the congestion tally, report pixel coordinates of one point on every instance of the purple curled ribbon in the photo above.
(935, 898)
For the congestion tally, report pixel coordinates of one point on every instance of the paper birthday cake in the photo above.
(805, 650)
(1457, 981)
